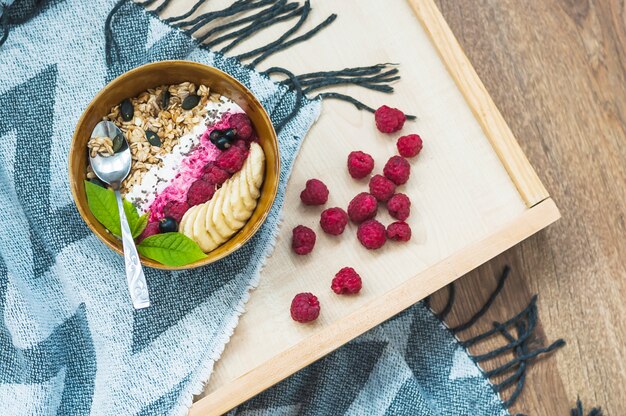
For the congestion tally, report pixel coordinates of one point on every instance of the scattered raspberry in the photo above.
(231, 160)
(215, 175)
(305, 307)
(175, 209)
(410, 145)
(399, 231)
(151, 229)
(333, 221)
(360, 164)
(302, 240)
(397, 169)
(199, 192)
(347, 280)
(242, 125)
(371, 234)
(314, 193)
(362, 207)
(399, 206)
(382, 188)
(389, 120)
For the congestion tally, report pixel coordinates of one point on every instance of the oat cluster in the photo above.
(154, 122)
(100, 145)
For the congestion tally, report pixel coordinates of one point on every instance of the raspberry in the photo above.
(399, 231)
(302, 240)
(371, 234)
(199, 192)
(397, 169)
(382, 188)
(399, 206)
(231, 160)
(360, 164)
(305, 307)
(213, 174)
(389, 120)
(314, 193)
(347, 280)
(151, 229)
(362, 207)
(333, 221)
(243, 145)
(242, 125)
(410, 145)
(175, 209)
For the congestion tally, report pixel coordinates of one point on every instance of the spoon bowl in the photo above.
(111, 169)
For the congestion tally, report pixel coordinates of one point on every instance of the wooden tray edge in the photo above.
(478, 99)
(413, 290)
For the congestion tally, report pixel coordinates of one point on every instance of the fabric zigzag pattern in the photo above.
(70, 341)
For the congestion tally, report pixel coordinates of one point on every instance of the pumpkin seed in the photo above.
(165, 99)
(126, 110)
(118, 141)
(190, 102)
(153, 138)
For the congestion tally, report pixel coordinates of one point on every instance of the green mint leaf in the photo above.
(139, 225)
(103, 206)
(171, 249)
(135, 222)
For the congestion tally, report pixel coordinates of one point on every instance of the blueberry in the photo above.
(223, 143)
(168, 225)
(215, 135)
(230, 134)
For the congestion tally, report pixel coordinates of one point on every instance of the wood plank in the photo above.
(378, 310)
(557, 70)
(478, 99)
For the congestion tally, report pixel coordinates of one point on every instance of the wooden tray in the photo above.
(474, 194)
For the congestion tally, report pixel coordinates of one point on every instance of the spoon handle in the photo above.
(134, 273)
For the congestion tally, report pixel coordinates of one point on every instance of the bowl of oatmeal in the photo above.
(204, 163)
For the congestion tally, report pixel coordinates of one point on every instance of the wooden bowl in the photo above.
(152, 75)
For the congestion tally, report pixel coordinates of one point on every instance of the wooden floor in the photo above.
(557, 71)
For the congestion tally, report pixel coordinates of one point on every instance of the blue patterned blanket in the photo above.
(70, 340)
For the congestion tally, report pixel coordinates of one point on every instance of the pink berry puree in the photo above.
(171, 180)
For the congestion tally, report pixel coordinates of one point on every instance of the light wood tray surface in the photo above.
(473, 192)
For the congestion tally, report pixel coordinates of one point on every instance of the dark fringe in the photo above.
(248, 17)
(15, 14)
(524, 354)
(578, 410)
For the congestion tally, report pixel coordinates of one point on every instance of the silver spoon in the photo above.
(113, 170)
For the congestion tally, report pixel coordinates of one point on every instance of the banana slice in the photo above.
(186, 224)
(208, 220)
(218, 216)
(212, 223)
(249, 174)
(240, 212)
(200, 233)
(229, 217)
(244, 193)
(256, 165)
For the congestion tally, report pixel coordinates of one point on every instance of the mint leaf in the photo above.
(139, 225)
(171, 249)
(103, 206)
